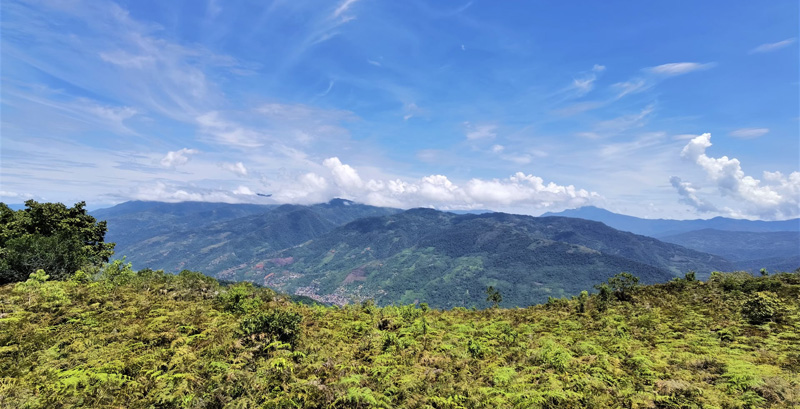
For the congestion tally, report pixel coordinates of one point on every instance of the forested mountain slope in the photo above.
(448, 260)
(215, 237)
(746, 250)
(135, 221)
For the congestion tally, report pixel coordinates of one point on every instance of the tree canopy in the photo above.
(51, 237)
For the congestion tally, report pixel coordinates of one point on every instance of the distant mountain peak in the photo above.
(340, 202)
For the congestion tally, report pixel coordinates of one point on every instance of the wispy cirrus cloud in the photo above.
(343, 7)
(769, 47)
(749, 133)
(654, 75)
(679, 68)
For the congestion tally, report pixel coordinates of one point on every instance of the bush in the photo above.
(280, 325)
(239, 299)
(762, 307)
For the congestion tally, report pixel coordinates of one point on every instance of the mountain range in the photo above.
(749, 244)
(448, 260)
(666, 227)
(343, 251)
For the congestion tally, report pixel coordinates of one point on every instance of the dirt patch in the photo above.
(358, 274)
(282, 261)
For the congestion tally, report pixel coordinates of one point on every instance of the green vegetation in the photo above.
(52, 237)
(110, 336)
(220, 237)
(146, 339)
(341, 252)
(449, 260)
(748, 250)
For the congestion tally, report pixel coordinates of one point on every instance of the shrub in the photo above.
(238, 299)
(762, 307)
(283, 326)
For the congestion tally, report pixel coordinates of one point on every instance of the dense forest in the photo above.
(110, 336)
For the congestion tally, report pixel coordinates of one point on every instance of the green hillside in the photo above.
(447, 260)
(155, 340)
(220, 238)
(747, 250)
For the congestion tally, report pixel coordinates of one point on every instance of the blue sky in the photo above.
(677, 109)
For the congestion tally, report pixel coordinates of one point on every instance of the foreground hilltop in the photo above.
(149, 339)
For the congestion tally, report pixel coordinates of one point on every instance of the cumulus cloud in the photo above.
(679, 68)
(344, 175)
(168, 192)
(244, 190)
(238, 168)
(178, 158)
(689, 196)
(519, 190)
(776, 196)
(748, 133)
(765, 48)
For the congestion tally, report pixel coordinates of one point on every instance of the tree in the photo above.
(493, 296)
(621, 284)
(51, 237)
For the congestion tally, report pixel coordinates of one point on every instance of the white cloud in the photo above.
(654, 75)
(778, 197)
(765, 48)
(343, 175)
(229, 133)
(497, 148)
(748, 133)
(410, 110)
(343, 6)
(178, 158)
(679, 68)
(689, 196)
(583, 85)
(168, 192)
(4, 195)
(521, 190)
(625, 122)
(476, 132)
(238, 168)
(373, 62)
(631, 87)
(598, 68)
(244, 190)
(685, 136)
